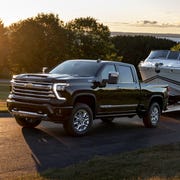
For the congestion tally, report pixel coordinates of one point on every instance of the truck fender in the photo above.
(158, 99)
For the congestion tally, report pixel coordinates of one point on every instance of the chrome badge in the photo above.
(28, 85)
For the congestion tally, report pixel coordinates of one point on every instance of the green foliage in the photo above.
(176, 47)
(4, 91)
(4, 50)
(37, 42)
(90, 39)
(45, 41)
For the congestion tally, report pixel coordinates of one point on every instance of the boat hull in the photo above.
(168, 76)
(163, 67)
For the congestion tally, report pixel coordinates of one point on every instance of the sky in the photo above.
(148, 16)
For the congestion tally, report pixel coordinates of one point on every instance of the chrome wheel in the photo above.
(81, 120)
(154, 115)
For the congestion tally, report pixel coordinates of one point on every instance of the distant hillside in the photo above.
(173, 37)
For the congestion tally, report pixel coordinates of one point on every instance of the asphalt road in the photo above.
(24, 151)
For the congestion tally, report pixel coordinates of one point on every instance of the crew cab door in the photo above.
(105, 93)
(128, 92)
(122, 97)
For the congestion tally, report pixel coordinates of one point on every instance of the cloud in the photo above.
(147, 23)
(170, 25)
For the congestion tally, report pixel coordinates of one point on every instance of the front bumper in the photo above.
(28, 114)
(39, 111)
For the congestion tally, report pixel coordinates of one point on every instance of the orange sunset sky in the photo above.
(154, 16)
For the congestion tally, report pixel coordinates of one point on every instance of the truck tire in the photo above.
(27, 122)
(152, 116)
(80, 120)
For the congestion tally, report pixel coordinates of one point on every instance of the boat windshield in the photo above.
(162, 54)
(173, 55)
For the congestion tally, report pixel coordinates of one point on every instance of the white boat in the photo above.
(163, 67)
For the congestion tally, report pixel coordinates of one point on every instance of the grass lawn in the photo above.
(3, 107)
(4, 91)
(156, 163)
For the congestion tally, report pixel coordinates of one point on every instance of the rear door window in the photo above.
(125, 74)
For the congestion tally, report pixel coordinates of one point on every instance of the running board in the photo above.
(116, 115)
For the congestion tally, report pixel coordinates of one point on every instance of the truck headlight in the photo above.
(59, 87)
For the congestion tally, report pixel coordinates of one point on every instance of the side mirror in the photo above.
(113, 77)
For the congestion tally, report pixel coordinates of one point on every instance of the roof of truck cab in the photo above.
(101, 61)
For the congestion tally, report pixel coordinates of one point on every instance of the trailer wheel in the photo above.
(152, 116)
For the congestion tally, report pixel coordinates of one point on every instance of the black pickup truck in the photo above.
(78, 91)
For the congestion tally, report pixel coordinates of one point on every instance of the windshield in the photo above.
(161, 54)
(173, 55)
(164, 54)
(77, 68)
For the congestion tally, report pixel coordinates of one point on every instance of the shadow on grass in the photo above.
(52, 148)
(157, 163)
(90, 157)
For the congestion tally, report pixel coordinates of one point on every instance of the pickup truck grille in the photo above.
(37, 90)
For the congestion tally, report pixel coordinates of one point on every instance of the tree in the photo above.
(176, 47)
(89, 39)
(37, 42)
(4, 50)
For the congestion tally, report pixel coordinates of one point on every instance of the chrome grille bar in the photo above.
(32, 89)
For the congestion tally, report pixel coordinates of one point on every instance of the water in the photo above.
(176, 39)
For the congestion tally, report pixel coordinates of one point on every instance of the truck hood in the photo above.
(51, 78)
